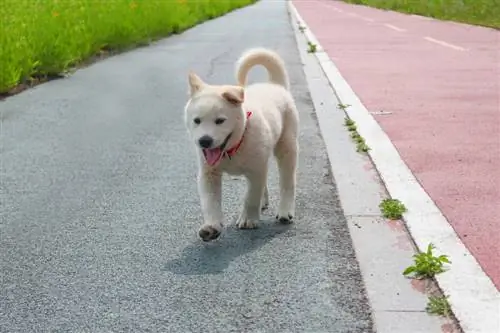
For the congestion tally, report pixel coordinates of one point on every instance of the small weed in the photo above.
(311, 47)
(302, 28)
(392, 208)
(426, 265)
(343, 107)
(356, 136)
(362, 147)
(348, 122)
(359, 139)
(438, 305)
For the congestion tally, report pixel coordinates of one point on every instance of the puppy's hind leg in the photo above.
(250, 214)
(265, 200)
(286, 153)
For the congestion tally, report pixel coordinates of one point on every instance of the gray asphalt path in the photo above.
(99, 207)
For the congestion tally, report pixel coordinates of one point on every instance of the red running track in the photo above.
(440, 81)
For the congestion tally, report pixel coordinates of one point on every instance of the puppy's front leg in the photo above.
(250, 214)
(209, 187)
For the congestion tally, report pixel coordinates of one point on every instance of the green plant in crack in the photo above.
(356, 137)
(438, 305)
(342, 106)
(426, 264)
(311, 47)
(361, 145)
(392, 208)
(301, 28)
(348, 122)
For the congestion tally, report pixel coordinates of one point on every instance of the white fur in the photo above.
(272, 129)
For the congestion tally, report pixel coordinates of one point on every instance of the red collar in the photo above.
(233, 150)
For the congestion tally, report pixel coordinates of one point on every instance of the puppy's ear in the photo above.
(234, 95)
(195, 83)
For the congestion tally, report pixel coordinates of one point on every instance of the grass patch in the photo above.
(426, 265)
(478, 12)
(44, 38)
(392, 209)
(439, 305)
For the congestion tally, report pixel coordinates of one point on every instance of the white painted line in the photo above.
(393, 27)
(367, 19)
(381, 113)
(473, 297)
(442, 43)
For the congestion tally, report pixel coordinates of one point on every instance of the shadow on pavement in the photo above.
(201, 258)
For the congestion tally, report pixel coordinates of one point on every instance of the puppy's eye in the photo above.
(219, 121)
(197, 121)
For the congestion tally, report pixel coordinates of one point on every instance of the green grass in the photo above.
(478, 12)
(47, 37)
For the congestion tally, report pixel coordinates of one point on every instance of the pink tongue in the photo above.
(212, 156)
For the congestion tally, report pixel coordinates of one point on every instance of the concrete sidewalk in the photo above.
(441, 117)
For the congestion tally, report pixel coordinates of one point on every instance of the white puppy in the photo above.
(236, 129)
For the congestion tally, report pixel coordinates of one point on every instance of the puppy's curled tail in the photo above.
(269, 59)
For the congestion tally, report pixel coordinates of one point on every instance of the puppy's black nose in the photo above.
(206, 141)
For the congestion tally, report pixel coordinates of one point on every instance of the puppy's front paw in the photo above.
(285, 218)
(245, 223)
(209, 232)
